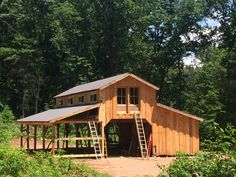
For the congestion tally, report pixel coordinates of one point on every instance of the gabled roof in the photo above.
(53, 115)
(101, 84)
(179, 112)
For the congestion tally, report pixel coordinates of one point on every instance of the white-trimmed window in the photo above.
(121, 96)
(93, 98)
(81, 99)
(134, 95)
(69, 100)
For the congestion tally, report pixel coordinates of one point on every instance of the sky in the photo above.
(191, 58)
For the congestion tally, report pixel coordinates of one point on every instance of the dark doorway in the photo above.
(122, 139)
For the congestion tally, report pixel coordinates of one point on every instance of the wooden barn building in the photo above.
(119, 115)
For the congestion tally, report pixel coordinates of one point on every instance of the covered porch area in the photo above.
(69, 132)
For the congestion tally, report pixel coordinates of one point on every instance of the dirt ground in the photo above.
(119, 166)
(129, 166)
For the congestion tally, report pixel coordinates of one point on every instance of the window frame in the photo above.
(69, 100)
(83, 99)
(122, 97)
(94, 95)
(60, 102)
(134, 98)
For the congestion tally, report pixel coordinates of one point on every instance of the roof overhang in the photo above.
(133, 76)
(179, 112)
(54, 115)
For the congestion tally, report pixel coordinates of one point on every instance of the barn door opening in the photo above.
(122, 138)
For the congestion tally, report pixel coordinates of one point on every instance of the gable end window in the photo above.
(134, 95)
(69, 100)
(93, 98)
(81, 99)
(121, 96)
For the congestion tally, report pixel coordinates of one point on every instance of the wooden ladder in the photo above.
(141, 136)
(95, 139)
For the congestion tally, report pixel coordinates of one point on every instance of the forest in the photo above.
(48, 46)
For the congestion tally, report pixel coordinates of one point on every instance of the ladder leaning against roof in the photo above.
(95, 139)
(141, 136)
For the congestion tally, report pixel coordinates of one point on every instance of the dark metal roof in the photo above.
(57, 114)
(101, 84)
(92, 85)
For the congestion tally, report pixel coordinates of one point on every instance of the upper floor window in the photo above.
(134, 95)
(93, 98)
(121, 96)
(59, 102)
(81, 99)
(69, 100)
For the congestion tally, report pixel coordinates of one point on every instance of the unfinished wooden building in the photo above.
(118, 115)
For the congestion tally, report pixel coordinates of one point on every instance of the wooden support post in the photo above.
(103, 137)
(77, 134)
(35, 137)
(21, 136)
(43, 136)
(53, 140)
(27, 138)
(89, 135)
(67, 133)
(128, 100)
(58, 136)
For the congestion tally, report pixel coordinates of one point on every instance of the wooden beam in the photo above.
(103, 137)
(128, 100)
(76, 138)
(77, 121)
(27, 137)
(34, 123)
(77, 134)
(21, 136)
(53, 140)
(67, 133)
(43, 136)
(89, 133)
(77, 155)
(35, 137)
(58, 135)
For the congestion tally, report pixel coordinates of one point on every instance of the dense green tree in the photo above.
(49, 46)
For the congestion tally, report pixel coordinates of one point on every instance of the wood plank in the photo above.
(35, 137)
(191, 136)
(76, 155)
(53, 140)
(27, 138)
(58, 135)
(75, 138)
(77, 135)
(21, 136)
(76, 121)
(182, 135)
(176, 133)
(43, 136)
(128, 100)
(66, 134)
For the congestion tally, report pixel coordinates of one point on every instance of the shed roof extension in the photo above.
(53, 115)
(101, 84)
(179, 112)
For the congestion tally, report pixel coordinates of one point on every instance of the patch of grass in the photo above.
(17, 163)
(211, 164)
